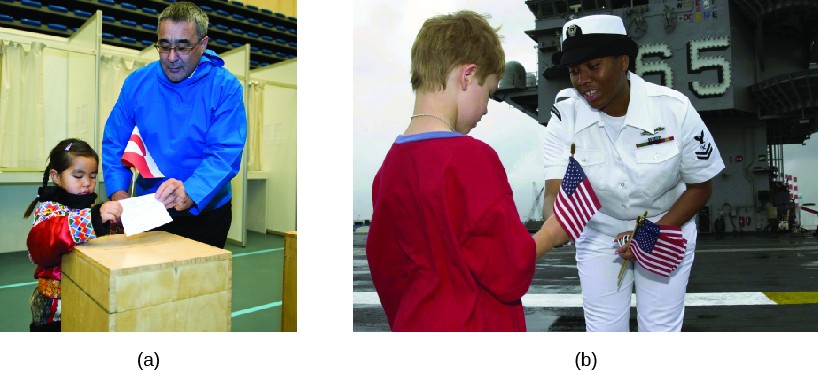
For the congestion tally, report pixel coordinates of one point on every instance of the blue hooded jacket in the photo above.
(195, 131)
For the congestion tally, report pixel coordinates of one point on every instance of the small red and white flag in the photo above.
(136, 155)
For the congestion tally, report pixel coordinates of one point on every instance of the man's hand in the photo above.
(172, 194)
(119, 195)
(183, 203)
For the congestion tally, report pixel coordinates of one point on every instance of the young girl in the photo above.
(63, 218)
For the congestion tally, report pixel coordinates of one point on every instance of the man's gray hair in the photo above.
(185, 12)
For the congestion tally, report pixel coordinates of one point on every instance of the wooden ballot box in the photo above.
(153, 281)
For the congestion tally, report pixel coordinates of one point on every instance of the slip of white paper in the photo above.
(143, 213)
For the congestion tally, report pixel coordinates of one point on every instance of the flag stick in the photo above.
(640, 220)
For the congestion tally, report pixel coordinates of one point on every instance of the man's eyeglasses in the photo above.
(180, 50)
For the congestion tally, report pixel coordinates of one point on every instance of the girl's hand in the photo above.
(110, 210)
(622, 240)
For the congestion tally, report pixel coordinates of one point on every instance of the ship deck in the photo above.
(739, 282)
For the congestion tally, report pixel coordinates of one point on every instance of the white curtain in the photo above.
(255, 109)
(113, 71)
(21, 106)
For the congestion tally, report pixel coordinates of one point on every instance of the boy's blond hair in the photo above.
(451, 40)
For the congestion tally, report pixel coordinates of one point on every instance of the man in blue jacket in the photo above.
(190, 113)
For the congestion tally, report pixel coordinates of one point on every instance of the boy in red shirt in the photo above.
(446, 247)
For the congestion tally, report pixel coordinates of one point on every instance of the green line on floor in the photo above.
(256, 309)
(256, 252)
(18, 285)
(804, 297)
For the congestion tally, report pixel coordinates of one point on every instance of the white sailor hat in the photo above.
(595, 36)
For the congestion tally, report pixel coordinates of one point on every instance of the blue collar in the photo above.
(401, 139)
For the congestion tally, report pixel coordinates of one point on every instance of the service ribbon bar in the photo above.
(655, 140)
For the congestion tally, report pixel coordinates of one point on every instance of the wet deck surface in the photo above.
(729, 272)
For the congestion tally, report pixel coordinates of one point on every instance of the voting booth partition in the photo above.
(268, 173)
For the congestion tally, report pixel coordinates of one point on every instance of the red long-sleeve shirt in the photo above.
(446, 246)
(57, 230)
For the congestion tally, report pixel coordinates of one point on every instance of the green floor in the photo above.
(257, 286)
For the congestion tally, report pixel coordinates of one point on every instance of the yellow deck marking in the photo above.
(805, 297)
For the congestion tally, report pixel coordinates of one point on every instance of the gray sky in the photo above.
(383, 100)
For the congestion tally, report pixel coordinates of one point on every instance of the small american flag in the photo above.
(658, 248)
(576, 201)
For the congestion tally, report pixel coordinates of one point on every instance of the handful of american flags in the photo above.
(657, 248)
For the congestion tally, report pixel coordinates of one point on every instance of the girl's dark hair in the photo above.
(60, 159)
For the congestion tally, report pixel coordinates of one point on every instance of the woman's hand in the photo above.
(622, 240)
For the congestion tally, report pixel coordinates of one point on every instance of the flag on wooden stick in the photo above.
(575, 202)
(136, 155)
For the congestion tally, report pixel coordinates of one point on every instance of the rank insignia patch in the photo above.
(699, 138)
(705, 153)
(705, 148)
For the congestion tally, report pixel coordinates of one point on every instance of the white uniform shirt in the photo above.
(675, 148)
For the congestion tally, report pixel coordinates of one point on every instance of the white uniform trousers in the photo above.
(660, 300)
